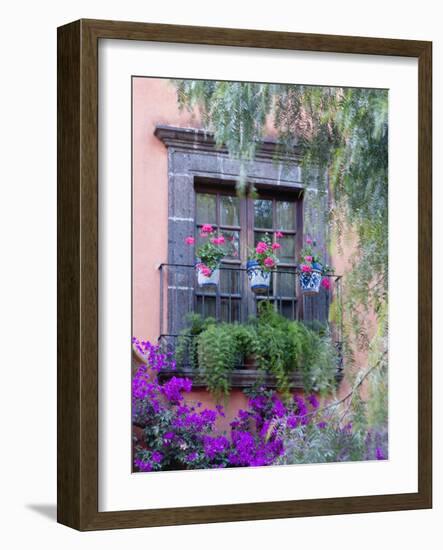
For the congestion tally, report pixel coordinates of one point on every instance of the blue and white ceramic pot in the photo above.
(310, 281)
(211, 280)
(259, 279)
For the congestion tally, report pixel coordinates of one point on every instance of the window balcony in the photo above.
(232, 301)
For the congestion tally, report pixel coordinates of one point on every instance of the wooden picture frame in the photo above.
(78, 274)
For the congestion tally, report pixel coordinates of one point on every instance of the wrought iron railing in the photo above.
(233, 301)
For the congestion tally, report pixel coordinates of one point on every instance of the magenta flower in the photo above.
(218, 240)
(276, 246)
(279, 234)
(308, 258)
(308, 240)
(207, 228)
(306, 268)
(189, 240)
(261, 247)
(269, 262)
(326, 283)
(205, 271)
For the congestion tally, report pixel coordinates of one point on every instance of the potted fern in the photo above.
(209, 255)
(260, 263)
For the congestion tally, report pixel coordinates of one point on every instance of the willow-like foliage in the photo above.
(342, 134)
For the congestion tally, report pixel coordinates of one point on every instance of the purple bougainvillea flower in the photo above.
(379, 455)
(292, 421)
(143, 465)
(157, 456)
(279, 409)
(192, 457)
(313, 401)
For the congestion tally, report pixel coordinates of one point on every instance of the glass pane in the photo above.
(285, 215)
(230, 310)
(230, 281)
(206, 306)
(206, 208)
(263, 213)
(286, 283)
(232, 244)
(259, 235)
(229, 210)
(287, 251)
(288, 308)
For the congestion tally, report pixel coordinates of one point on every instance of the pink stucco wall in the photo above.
(154, 102)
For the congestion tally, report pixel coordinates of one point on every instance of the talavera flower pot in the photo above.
(310, 281)
(259, 279)
(212, 280)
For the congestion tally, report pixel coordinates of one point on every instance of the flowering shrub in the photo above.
(179, 435)
(183, 435)
(211, 252)
(264, 252)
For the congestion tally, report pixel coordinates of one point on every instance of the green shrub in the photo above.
(279, 346)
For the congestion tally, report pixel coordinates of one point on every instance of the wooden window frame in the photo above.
(247, 230)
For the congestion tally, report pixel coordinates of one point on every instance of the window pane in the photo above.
(286, 253)
(232, 244)
(263, 213)
(286, 282)
(259, 236)
(206, 208)
(230, 310)
(229, 210)
(285, 215)
(230, 281)
(288, 308)
(206, 306)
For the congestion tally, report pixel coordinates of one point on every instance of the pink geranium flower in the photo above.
(306, 268)
(308, 258)
(269, 262)
(207, 228)
(308, 240)
(205, 271)
(261, 247)
(218, 240)
(189, 240)
(326, 283)
(279, 234)
(276, 246)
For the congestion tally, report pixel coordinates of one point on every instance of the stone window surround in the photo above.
(193, 155)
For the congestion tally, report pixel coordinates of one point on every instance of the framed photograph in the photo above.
(244, 275)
